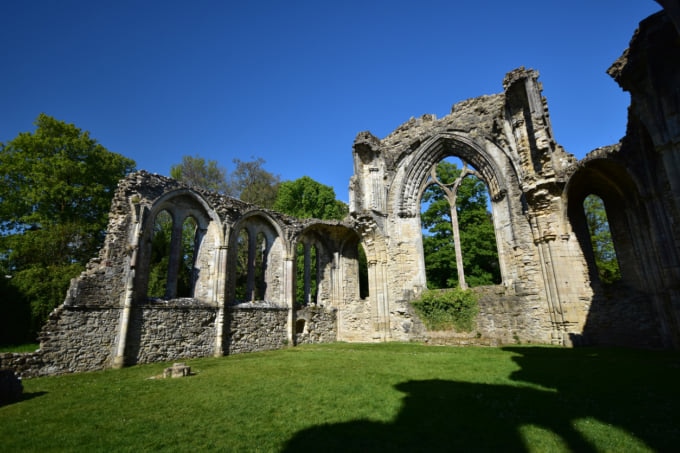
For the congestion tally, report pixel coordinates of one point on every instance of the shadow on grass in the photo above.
(24, 397)
(620, 393)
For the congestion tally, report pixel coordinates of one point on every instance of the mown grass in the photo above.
(350, 397)
(30, 347)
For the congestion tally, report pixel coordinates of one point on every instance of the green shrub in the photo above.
(446, 309)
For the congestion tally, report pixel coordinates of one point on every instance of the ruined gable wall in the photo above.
(508, 138)
(107, 320)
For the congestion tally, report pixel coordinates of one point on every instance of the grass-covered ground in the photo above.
(350, 397)
(30, 347)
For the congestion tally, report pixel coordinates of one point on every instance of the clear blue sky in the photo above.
(294, 82)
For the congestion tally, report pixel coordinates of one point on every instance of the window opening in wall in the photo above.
(241, 277)
(601, 239)
(260, 267)
(306, 274)
(160, 255)
(313, 275)
(478, 251)
(300, 274)
(363, 273)
(186, 274)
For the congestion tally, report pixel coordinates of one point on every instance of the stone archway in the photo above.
(508, 139)
(440, 146)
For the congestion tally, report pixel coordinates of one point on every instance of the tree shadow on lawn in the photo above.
(25, 396)
(633, 392)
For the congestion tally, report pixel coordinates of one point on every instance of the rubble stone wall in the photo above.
(315, 325)
(256, 329)
(167, 332)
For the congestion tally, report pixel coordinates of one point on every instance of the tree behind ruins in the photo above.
(55, 196)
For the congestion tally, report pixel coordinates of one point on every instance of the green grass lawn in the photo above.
(30, 347)
(350, 397)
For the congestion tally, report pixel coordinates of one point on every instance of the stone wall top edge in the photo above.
(152, 186)
(607, 152)
(254, 307)
(188, 303)
(465, 116)
(89, 306)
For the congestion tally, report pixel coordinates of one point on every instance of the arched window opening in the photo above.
(160, 255)
(601, 241)
(260, 267)
(313, 276)
(300, 274)
(241, 277)
(459, 245)
(363, 273)
(306, 274)
(186, 275)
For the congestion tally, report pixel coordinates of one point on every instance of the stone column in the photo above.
(119, 358)
(220, 296)
(289, 295)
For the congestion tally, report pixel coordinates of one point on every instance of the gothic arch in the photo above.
(435, 149)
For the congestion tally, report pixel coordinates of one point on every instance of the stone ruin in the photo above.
(550, 291)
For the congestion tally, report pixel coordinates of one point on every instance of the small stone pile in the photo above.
(177, 370)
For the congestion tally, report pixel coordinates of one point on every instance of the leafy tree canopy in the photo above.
(57, 175)
(195, 171)
(601, 239)
(55, 196)
(249, 181)
(306, 198)
(478, 239)
(253, 184)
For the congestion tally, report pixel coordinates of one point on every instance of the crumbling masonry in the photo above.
(550, 292)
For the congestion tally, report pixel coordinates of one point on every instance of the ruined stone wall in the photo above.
(315, 325)
(80, 338)
(550, 291)
(164, 332)
(508, 139)
(108, 320)
(24, 364)
(253, 329)
(355, 323)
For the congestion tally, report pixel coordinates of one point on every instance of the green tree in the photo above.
(251, 183)
(478, 240)
(306, 198)
(57, 185)
(601, 239)
(195, 171)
